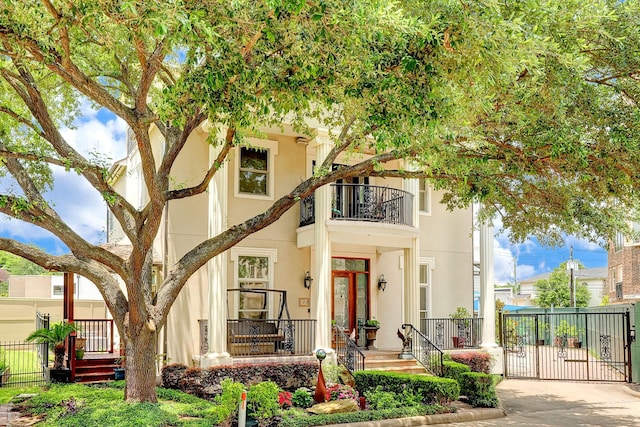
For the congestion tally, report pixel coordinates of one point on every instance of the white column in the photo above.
(487, 294)
(411, 261)
(321, 288)
(217, 267)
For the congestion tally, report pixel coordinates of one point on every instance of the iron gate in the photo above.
(567, 346)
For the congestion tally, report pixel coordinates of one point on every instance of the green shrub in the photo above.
(262, 400)
(229, 399)
(429, 389)
(479, 389)
(453, 370)
(302, 398)
(359, 416)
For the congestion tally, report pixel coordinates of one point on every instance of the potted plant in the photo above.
(119, 370)
(460, 317)
(566, 334)
(371, 327)
(56, 337)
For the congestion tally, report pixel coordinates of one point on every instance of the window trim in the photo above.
(271, 146)
(271, 254)
(427, 192)
(430, 263)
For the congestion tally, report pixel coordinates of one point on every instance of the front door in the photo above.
(350, 279)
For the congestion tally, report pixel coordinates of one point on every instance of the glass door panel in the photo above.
(341, 301)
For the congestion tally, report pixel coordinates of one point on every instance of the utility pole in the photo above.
(572, 302)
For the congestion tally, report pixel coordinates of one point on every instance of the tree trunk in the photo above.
(58, 360)
(140, 367)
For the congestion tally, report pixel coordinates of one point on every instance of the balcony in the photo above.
(361, 202)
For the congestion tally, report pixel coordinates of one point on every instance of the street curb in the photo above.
(457, 417)
(631, 392)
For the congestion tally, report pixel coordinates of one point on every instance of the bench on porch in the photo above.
(254, 337)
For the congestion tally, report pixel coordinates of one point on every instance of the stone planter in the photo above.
(370, 334)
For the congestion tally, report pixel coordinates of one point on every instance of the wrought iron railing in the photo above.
(347, 351)
(21, 364)
(97, 333)
(265, 337)
(423, 350)
(361, 202)
(448, 333)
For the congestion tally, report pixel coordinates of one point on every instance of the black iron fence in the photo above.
(23, 364)
(422, 349)
(265, 337)
(448, 333)
(347, 351)
(361, 202)
(567, 346)
(97, 335)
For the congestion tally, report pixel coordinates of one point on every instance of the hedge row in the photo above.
(205, 383)
(480, 389)
(434, 390)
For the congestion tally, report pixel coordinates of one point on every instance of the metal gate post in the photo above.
(627, 337)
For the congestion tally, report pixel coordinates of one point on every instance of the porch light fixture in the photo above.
(382, 283)
(307, 280)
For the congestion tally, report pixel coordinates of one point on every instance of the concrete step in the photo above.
(391, 363)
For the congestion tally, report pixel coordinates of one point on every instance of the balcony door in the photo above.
(350, 290)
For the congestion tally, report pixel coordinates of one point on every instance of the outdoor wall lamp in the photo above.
(307, 280)
(382, 283)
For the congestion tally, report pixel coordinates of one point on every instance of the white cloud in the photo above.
(75, 200)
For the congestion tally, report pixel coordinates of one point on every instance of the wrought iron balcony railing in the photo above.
(361, 202)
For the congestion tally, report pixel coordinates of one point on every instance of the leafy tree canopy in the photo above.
(19, 266)
(555, 292)
(528, 107)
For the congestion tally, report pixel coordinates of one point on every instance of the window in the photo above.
(426, 265)
(254, 171)
(619, 243)
(57, 291)
(255, 165)
(254, 270)
(424, 198)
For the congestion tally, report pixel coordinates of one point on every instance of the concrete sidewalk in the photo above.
(562, 403)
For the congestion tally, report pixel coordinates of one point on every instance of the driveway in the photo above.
(561, 403)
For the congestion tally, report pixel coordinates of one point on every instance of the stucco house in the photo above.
(361, 249)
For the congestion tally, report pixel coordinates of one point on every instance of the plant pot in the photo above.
(80, 343)
(79, 353)
(540, 342)
(119, 373)
(60, 375)
(370, 334)
(577, 344)
(458, 342)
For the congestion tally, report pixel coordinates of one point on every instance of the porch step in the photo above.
(388, 361)
(96, 368)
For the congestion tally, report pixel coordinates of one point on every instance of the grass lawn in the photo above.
(103, 405)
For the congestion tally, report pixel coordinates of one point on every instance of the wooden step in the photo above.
(96, 368)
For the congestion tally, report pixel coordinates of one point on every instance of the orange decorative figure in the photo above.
(321, 387)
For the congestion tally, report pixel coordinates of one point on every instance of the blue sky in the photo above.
(83, 208)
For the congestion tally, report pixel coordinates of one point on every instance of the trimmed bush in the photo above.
(479, 389)
(430, 389)
(454, 370)
(476, 360)
(206, 383)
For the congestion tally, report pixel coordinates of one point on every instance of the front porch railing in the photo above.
(347, 351)
(362, 202)
(423, 350)
(448, 333)
(98, 334)
(265, 337)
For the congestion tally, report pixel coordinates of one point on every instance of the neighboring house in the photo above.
(594, 278)
(30, 294)
(369, 248)
(39, 286)
(623, 280)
